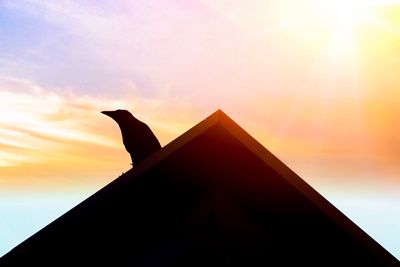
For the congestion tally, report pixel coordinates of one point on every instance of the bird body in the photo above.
(137, 137)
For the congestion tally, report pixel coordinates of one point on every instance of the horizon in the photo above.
(315, 82)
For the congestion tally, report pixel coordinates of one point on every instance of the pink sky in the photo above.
(316, 82)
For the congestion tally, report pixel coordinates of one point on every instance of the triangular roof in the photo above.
(212, 132)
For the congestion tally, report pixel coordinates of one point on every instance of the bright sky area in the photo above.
(315, 81)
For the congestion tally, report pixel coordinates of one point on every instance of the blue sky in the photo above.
(316, 82)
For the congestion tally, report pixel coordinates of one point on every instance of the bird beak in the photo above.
(108, 113)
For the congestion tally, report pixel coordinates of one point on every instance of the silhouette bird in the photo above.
(137, 137)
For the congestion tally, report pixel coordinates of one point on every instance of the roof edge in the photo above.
(219, 117)
(165, 151)
(304, 188)
(131, 174)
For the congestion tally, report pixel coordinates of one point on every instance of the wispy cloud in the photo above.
(44, 134)
(49, 137)
(266, 63)
(327, 104)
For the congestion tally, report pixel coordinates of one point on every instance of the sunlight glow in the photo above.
(347, 13)
(344, 18)
(346, 24)
(315, 81)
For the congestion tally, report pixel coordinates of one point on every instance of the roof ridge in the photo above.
(250, 143)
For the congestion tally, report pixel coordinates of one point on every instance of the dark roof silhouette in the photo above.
(212, 197)
(137, 136)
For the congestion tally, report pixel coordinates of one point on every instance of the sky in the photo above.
(316, 82)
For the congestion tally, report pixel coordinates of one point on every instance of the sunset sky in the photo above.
(317, 82)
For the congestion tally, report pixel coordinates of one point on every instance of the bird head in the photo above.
(119, 115)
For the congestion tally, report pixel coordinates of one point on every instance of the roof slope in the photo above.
(213, 196)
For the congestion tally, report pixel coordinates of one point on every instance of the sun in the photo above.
(346, 13)
(343, 17)
(354, 27)
(311, 22)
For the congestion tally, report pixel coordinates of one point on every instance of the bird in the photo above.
(137, 137)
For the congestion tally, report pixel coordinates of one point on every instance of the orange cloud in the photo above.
(60, 139)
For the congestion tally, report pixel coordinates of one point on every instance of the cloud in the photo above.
(174, 63)
(53, 138)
